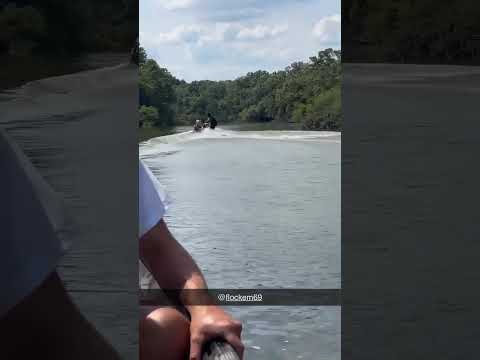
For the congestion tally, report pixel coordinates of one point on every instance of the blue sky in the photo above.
(224, 39)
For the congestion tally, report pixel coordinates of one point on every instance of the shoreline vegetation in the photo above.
(67, 28)
(411, 32)
(303, 96)
(147, 133)
(55, 37)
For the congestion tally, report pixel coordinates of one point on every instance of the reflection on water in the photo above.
(260, 209)
(64, 125)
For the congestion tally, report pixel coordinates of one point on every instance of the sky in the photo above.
(225, 39)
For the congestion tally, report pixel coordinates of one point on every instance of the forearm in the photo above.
(171, 265)
(174, 269)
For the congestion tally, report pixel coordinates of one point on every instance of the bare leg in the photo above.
(164, 334)
(48, 325)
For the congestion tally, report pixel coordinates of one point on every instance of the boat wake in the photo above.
(170, 144)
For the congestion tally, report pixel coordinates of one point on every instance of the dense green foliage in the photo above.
(66, 27)
(148, 116)
(22, 28)
(305, 94)
(156, 89)
(411, 31)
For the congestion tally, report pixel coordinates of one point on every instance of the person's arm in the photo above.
(48, 325)
(173, 268)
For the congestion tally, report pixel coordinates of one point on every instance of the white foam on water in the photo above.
(150, 151)
(165, 145)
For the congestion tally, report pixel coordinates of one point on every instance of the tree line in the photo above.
(67, 27)
(305, 95)
(411, 31)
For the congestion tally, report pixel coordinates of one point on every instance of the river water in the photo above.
(64, 125)
(255, 209)
(260, 209)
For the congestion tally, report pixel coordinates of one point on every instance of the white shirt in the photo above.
(30, 223)
(152, 205)
(31, 220)
(151, 200)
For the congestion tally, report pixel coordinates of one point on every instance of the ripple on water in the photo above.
(260, 214)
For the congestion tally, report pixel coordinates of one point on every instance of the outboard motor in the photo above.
(198, 125)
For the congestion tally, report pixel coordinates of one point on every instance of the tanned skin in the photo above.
(48, 325)
(165, 333)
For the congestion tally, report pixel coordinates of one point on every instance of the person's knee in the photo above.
(164, 331)
(168, 315)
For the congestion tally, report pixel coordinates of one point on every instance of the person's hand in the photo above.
(211, 322)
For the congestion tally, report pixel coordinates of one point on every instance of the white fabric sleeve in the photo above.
(151, 200)
(31, 219)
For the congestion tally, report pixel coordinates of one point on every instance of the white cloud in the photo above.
(223, 39)
(219, 32)
(180, 34)
(259, 32)
(261, 52)
(226, 14)
(176, 4)
(328, 29)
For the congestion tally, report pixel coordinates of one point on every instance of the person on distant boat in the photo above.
(198, 125)
(211, 121)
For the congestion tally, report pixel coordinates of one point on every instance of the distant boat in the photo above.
(198, 126)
